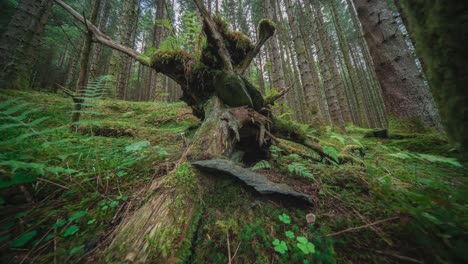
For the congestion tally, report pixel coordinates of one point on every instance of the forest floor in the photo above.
(63, 192)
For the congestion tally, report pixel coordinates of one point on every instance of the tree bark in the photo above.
(84, 61)
(404, 91)
(310, 86)
(439, 28)
(20, 41)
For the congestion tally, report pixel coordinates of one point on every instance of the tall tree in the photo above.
(310, 86)
(404, 91)
(440, 32)
(20, 41)
(273, 47)
(84, 63)
(127, 28)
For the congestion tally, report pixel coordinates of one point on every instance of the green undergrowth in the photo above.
(375, 200)
(61, 192)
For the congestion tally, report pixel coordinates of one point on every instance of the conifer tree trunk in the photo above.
(126, 30)
(84, 62)
(351, 93)
(20, 41)
(374, 91)
(156, 79)
(310, 85)
(331, 76)
(277, 63)
(404, 91)
(97, 48)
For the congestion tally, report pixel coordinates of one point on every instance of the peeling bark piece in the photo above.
(259, 182)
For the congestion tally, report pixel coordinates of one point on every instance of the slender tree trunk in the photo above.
(404, 91)
(128, 18)
(84, 61)
(375, 92)
(97, 48)
(277, 63)
(331, 76)
(309, 84)
(350, 93)
(156, 79)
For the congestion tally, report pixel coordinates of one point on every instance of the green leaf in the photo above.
(432, 158)
(8, 102)
(15, 108)
(71, 231)
(331, 151)
(276, 242)
(59, 223)
(22, 178)
(4, 238)
(263, 164)
(49, 237)
(285, 218)
(92, 221)
(289, 234)
(302, 239)
(311, 247)
(21, 215)
(280, 246)
(357, 142)
(7, 226)
(303, 248)
(76, 249)
(299, 169)
(23, 239)
(16, 165)
(340, 138)
(77, 216)
(113, 203)
(137, 146)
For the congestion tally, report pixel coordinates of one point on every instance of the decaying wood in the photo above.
(213, 31)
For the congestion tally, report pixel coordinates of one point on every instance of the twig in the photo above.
(375, 229)
(229, 247)
(53, 183)
(272, 100)
(399, 256)
(361, 227)
(235, 252)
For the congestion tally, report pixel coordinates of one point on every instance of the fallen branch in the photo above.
(103, 38)
(364, 226)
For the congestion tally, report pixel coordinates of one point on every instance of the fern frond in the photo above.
(299, 169)
(261, 165)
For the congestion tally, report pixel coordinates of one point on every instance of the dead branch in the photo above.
(251, 55)
(103, 38)
(352, 229)
(271, 100)
(212, 29)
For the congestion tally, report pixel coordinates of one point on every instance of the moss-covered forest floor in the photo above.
(62, 193)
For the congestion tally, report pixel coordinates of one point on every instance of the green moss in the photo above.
(266, 28)
(169, 57)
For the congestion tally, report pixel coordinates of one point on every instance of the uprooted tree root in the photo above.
(163, 228)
